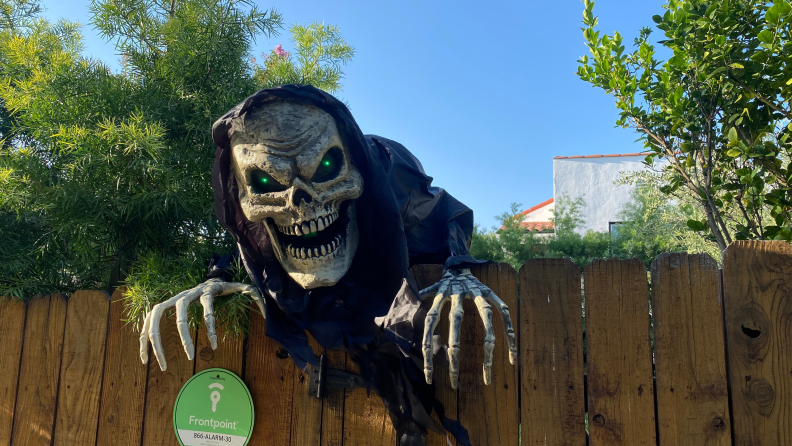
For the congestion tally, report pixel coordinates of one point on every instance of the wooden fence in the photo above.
(721, 373)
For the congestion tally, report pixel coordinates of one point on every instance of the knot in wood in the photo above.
(718, 424)
(761, 395)
(207, 354)
(599, 420)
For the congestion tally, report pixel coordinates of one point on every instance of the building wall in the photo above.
(592, 179)
(542, 214)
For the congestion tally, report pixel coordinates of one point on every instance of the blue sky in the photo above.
(483, 93)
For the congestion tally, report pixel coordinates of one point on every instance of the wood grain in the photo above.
(490, 413)
(690, 362)
(425, 276)
(12, 326)
(366, 422)
(229, 353)
(333, 404)
(34, 417)
(82, 367)
(551, 353)
(758, 305)
(124, 382)
(269, 374)
(306, 428)
(164, 386)
(621, 401)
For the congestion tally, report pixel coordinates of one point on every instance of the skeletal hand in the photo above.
(206, 291)
(455, 286)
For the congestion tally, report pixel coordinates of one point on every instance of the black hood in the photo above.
(343, 313)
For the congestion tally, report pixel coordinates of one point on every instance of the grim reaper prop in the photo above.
(328, 222)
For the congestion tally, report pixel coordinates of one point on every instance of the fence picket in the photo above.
(228, 355)
(12, 325)
(124, 382)
(270, 377)
(551, 354)
(425, 276)
(34, 418)
(333, 405)
(758, 305)
(306, 410)
(690, 363)
(365, 420)
(164, 386)
(82, 367)
(620, 385)
(490, 413)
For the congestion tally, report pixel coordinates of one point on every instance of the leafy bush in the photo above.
(654, 224)
(105, 177)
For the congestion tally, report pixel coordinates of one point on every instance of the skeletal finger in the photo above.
(225, 288)
(507, 323)
(207, 299)
(455, 318)
(485, 310)
(432, 318)
(144, 338)
(182, 323)
(154, 335)
(254, 293)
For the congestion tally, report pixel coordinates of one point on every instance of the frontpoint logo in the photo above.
(213, 408)
(215, 396)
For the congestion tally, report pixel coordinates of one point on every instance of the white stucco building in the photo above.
(592, 178)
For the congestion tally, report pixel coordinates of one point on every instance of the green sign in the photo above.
(213, 408)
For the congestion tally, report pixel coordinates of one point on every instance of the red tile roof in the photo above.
(601, 156)
(538, 206)
(540, 226)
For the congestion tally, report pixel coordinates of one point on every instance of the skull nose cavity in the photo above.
(301, 195)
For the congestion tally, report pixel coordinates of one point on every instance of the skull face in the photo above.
(296, 177)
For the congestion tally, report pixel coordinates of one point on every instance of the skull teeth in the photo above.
(326, 250)
(307, 227)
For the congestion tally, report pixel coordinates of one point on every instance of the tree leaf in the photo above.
(765, 36)
(736, 65)
(732, 134)
(696, 225)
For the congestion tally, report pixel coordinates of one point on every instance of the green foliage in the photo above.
(320, 53)
(105, 177)
(653, 224)
(515, 245)
(717, 109)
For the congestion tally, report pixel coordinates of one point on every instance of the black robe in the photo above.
(402, 220)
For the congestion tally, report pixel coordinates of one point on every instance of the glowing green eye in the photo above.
(263, 183)
(330, 166)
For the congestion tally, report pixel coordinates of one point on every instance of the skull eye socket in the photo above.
(263, 183)
(329, 166)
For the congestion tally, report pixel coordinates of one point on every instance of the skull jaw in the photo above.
(319, 271)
